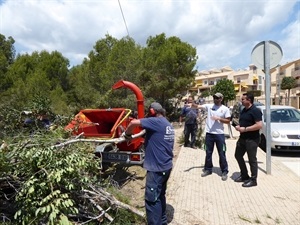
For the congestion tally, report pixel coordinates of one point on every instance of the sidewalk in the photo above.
(196, 200)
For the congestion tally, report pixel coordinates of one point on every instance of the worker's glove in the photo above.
(126, 136)
(180, 124)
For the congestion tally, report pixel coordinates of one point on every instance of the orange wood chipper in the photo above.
(105, 126)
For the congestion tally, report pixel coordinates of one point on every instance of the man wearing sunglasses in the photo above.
(217, 115)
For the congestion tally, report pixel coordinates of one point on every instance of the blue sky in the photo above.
(224, 32)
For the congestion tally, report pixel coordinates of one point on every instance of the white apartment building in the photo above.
(253, 79)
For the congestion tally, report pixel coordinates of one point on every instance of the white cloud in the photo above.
(224, 32)
(290, 44)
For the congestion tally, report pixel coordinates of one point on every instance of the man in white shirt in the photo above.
(217, 115)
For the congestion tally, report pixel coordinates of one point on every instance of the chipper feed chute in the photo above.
(105, 126)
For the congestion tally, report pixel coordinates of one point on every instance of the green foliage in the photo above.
(81, 93)
(37, 74)
(162, 69)
(168, 67)
(126, 218)
(7, 48)
(10, 120)
(200, 138)
(288, 83)
(226, 87)
(205, 93)
(48, 179)
(47, 183)
(53, 175)
(7, 56)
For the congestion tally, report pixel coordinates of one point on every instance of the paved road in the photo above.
(289, 159)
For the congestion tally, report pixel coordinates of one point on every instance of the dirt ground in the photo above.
(133, 186)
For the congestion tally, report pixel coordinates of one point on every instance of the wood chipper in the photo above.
(105, 126)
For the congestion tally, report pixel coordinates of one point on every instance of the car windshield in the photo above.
(284, 115)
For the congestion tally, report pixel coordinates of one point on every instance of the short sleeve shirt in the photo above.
(190, 115)
(159, 144)
(213, 126)
(248, 117)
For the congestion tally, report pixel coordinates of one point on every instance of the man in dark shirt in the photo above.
(250, 123)
(159, 144)
(190, 115)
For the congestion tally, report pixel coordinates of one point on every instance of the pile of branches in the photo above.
(40, 184)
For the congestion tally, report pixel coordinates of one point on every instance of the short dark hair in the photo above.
(249, 96)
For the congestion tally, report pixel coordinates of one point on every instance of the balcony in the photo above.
(199, 82)
(296, 72)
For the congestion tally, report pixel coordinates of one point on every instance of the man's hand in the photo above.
(215, 118)
(240, 129)
(126, 136)
(180, 124)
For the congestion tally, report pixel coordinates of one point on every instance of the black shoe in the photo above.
(194, 147)
(206, 173)
(241, 179)
(224, 176)
(250, 183)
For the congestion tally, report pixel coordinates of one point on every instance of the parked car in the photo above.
(285, 128)
(237, 109)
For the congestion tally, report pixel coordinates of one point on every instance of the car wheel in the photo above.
(263, 143)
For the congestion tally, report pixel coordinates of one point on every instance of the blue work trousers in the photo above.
(155, 197)
(210, 141)
(190, 130)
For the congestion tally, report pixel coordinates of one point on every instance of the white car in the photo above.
(285, 128)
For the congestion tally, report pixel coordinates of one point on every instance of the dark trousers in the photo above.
(249, 146)
(190, 130)
(155, 197)
(210, 140)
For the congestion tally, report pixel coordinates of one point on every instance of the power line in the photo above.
(124, 18)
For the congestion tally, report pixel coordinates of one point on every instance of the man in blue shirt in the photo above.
(159, 144)
(190, 115)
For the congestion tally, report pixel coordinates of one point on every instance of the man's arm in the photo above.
(257, 126)
(133, 124)
(182, 115)
(225, 120)
(222, 120)
(195, 105)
